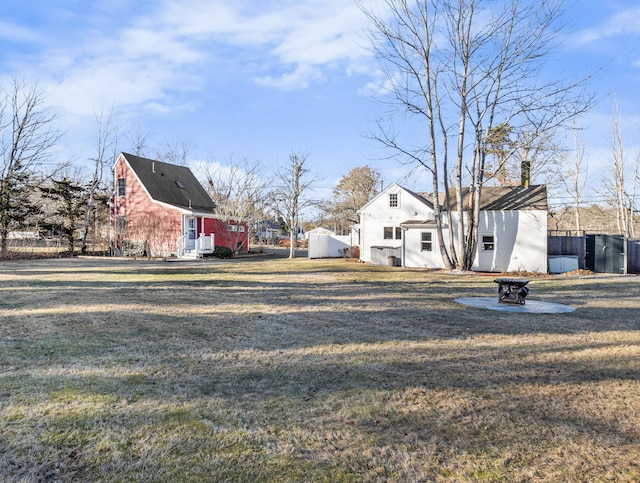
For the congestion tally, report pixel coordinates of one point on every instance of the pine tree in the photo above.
(69, 208)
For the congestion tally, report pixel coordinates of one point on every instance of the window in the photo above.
(180, 184)
(427, 244)
(122, 225)
(487, 242)
(121, 186)
(391, 232)
(393, 200)
(192, 228)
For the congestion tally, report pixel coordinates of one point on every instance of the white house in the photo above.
(512, 234)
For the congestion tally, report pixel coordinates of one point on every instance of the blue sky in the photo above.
(261, 79)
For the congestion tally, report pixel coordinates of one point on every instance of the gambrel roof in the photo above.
(171, 184)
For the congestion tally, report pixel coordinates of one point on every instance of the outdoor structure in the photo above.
(324, 243)
(398, 227)
(162, 210)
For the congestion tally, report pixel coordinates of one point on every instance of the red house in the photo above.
(162, 209)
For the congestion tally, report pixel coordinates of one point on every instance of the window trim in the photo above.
(426, 245)
(392, 232)
(121, 228)
(122, 186)
(488, 246)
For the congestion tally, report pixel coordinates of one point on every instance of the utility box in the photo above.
(562, 263)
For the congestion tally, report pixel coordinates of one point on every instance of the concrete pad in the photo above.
(531, 306)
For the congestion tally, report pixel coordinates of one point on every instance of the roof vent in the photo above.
(180, 185)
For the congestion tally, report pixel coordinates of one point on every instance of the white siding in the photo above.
(414, 256)
(519, 236)
(520, 239)
(377, 215)
(327, 245)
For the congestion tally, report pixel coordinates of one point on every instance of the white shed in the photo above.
(324, 243)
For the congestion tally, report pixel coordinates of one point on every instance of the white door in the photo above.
(486, 252)
(191, 233)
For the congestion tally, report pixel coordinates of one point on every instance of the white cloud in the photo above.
(177, 55)
(158, 53)
(15, 33)
(299, 78)
(622, 23)
(382, 85)
(301, 37)
(118, 78)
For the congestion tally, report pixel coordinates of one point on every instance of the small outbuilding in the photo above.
(324, 243)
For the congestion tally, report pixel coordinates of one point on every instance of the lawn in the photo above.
(326, 370)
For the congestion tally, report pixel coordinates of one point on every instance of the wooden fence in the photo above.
(568, 245)
(633, 256)
(575, 245)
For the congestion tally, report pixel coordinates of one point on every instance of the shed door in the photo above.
(605, 253)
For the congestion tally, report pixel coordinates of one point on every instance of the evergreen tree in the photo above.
(16, 205)
(68, 210)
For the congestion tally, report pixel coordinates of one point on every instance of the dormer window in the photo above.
(393, 200)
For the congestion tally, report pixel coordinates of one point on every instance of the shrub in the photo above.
(222, 252)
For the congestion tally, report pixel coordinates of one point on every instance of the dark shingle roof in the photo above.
(502, 198)
(171, 184)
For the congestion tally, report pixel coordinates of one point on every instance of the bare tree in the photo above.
(176, 152)
(572, 176)
(634, 196)
(294, 181)
(239, 190)
(27, 139)
(140, 141)
(461, 69)
(106, 150)
(619, 193)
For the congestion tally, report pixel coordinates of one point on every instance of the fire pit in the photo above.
(512, 290)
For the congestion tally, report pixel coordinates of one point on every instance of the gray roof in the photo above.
(504, 198)
(410, 223)
(171, 184)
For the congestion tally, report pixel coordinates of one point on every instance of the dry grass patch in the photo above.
(297, 370)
